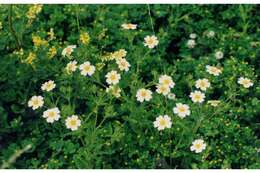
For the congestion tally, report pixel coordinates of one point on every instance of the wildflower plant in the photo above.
(94, 86)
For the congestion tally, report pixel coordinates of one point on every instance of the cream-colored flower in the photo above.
(214, 103)
(123, 64)
(144, 95)
(210, 34)
(129, 26)
(202, 84)
(151, 41)
(51, 115)
(36, 102)
(113, 77)
(48, 86)
(114, 90)
(87, 69)
(191, 43)
(171, 96)
(71, 66)
(68, 50)
(162, 122)
(193, 35)
(182, 110)
(198, 146)
(197, 96)
(213, 70)
(166, 80)
(163, 89)
(245, 82)
(219, 55)
(73, 122)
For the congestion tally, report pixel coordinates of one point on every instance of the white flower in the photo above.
(114, 90)
(163, 89)
(71, 66)
(166, 80)
(202, 84)
(143, 95)
(73, 122)
(219, 55)
(68, 50)
(211, 34)
(36, 102)
(171, 96)
(191, 43)
(182, 110)
(51, 115)
(213, 70)
(151, 41)
(197, 96)
(129, 26)
(193, 36)
(214, 103)
(198, 146)
(245, 82)
(162, 122)
(48, 86)
(123, 64)
(87, 69)
(113, 77)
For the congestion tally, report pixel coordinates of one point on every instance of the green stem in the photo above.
(151, 20)
(10, 21)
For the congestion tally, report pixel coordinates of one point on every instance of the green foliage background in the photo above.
(127, 138)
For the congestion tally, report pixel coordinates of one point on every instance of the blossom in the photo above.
(171, 96)
(219, 55)
(210, 34)
(121, 53)
(182, 110)
(114, 90)
(166, 80)
(36, 102)
(162, 122)
(68, 50)
(73, 122)
(71, 66)
(198, 146)
(151, 41)
(202, 84)
(48, 86)
(162, 89)
(87, 69)
(197, 96)
(84, 38)
(214, 103)
(123, 64)
(113, 77)
(245, 82)
(193, 35)
(144, 95)
(129, 26)
(213, 70)
(191, 43)
(51, 115)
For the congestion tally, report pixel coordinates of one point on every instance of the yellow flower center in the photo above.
(198, 145)
(35, 102)
(51, 114)
(73, 122)
(143, 94)
(182, 109)
(162, 122)
(113, 77)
